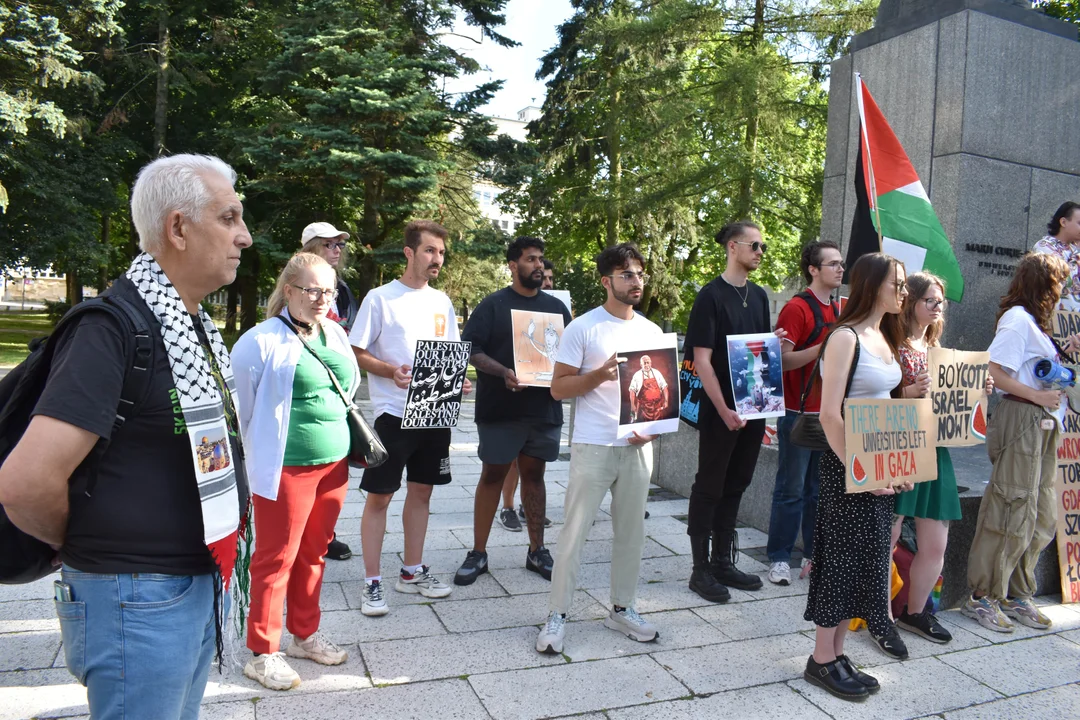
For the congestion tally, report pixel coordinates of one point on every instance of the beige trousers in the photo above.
(594, 469)
(1017, 516)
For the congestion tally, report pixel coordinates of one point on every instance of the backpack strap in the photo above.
(819, 318)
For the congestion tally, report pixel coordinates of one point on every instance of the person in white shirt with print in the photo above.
(391, 320)
(587, 369)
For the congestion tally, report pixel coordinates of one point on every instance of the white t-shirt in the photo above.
(639, 379)
(586, 344)
(391, 320)
(1018, 345)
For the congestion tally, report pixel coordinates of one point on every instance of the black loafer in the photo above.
(834, 679)
(891, 644)
(868, 681)
(338, 550)
(924, 624)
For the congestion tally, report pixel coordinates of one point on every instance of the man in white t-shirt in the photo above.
(587, 369)
(648, 393)
(391, 320)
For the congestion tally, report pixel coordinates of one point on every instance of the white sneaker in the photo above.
(317, 648)
(550, 639)
(374, 603)
(271, 671)
(629, 623)
(780, 573)
(423, 583)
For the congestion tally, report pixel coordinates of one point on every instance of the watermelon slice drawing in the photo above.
(858, 475)
(978, 420)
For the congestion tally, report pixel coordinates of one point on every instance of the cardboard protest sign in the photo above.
(757, 375)
(648, 386)
(563, 295)
(957, 379)
(1068, 508)
(438, 378)
(888, 442)
(1065, 323)
(536, 345)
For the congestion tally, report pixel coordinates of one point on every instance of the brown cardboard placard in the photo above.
(957, 382)
(888, 442)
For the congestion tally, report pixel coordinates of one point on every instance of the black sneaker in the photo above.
(475, 565)
(924, 624)
(834, 678)
(338, 550)
(891, 644)
(521, 516)
(539, 562)
(509, 520)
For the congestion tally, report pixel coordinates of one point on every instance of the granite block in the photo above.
(28, 650)
(841, 98)
(28, 615)
(515, 611)
(1055, 702)
(454, 700)
(996, 666)
(761, 618)
(833, 191)
(592, 640)
(40, 694)
(951, 75)
(760, 661)
(346, 627)
(1048, 190)
(766, 702)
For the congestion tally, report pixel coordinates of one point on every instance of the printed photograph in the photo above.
(757, 375)
(211, 450)
(536, 345)
(649, 388)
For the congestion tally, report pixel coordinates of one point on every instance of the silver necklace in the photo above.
(744, 296)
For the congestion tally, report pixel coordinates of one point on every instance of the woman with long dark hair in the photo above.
(850, 576)
(1017, 515)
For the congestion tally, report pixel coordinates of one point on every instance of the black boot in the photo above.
(701, 580)
(725, 552)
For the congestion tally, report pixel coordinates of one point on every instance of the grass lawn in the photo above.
(16, 330)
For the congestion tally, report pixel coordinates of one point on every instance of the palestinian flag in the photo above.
(893, 213)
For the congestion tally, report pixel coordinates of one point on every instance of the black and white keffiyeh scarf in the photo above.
(203, 407)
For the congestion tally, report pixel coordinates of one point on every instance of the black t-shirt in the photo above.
(144, 514)
(718, 312)
(490, 331)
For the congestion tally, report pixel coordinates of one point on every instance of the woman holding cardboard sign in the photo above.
(850, 576)
(933, 504)
(1017, 516)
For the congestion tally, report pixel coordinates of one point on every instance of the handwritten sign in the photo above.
(1068, 508)
(957, 379)
(438, 379)
(889, 442)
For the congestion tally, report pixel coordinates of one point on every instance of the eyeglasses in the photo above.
(340, 245)
(755, 246)
(932, 303)
(834, 265)
(630, 277)
(315, 294)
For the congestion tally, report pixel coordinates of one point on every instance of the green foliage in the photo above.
(1062, 10)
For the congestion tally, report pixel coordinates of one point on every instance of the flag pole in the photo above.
(865, 139)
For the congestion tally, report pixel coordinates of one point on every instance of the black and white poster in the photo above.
(438, 379)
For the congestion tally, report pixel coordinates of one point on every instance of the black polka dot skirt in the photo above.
(851, 573)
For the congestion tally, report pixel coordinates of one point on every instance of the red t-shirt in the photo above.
(798, 319)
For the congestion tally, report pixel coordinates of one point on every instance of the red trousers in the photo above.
(291, 537)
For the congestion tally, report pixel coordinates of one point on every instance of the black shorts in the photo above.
(424, 453)
(502, 442)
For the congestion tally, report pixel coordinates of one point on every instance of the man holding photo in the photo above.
(728, 445)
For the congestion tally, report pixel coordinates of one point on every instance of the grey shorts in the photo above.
(502, 442)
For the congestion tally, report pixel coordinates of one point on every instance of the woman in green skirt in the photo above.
(933, 504)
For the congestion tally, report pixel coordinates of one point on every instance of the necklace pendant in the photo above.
(744, 303)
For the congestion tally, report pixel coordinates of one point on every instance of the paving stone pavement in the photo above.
(471, 655)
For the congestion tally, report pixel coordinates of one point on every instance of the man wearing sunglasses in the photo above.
(728, 446)
(807, 318)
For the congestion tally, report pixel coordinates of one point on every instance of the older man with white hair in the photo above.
(148, 536)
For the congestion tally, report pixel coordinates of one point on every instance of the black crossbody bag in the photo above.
(807, 431)
(366, 449)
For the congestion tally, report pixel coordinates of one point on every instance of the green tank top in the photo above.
(318, 430)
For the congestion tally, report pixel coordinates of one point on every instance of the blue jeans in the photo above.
(142, 644)
(795, 495)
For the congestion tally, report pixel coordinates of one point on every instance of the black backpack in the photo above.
(24, 558)
(820, 326)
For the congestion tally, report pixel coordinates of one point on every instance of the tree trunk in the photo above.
(232, 298)
(750, 139)
(161, 101)
(74, 288)
(614, 153)
(106, 238)
(249, 292)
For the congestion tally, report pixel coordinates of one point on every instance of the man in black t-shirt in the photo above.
(728, 445)
(147, 555)
(514, 422)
